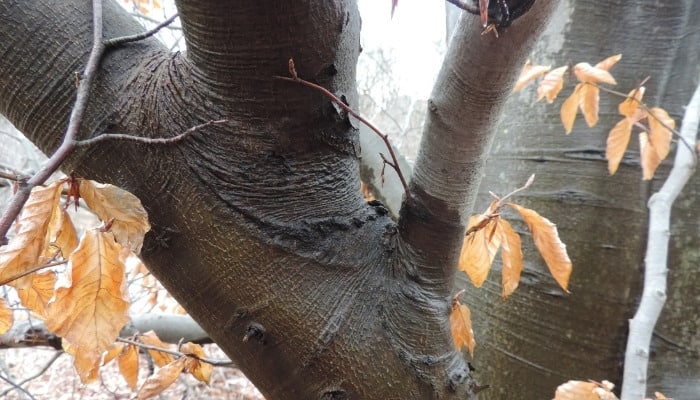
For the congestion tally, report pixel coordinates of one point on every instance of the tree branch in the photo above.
(168, 140)
(465, 106)
(654, 295)
(76, 118)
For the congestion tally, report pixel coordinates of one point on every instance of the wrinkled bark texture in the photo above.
(541, 337)
(259, 229)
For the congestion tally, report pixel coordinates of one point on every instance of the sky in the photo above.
(415, 36)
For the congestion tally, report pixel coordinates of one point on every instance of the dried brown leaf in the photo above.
(479, 248)
(36, 291)
(630, 106)
(62, 234)
(618, 139)
(461, 326)
(551, 84)
(128, 361)
(511, 256)
(570, 108)
(159, 358)
(649, 156)
(112, 353)
(547, 241)
(130, 220)
(580, 390)
(589, 104)
(659, 134)
(529, 73)
(6, 317)
(90, 312)
(586, 73)
(609, 62)
(160, 381)
(23, 251)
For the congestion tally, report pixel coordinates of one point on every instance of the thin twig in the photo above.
(16, 386)
(341, 104)
(472, 9)
(53, 359)
(12, 176)
(212, 361)
(153, 20)
(76, 118)
(31, 271)
(649, 115)
(171, 140)
(139, 36)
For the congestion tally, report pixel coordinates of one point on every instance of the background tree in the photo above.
(258, 226)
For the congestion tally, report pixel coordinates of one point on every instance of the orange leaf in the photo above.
(528, 74)
(546, 238)
(112, 353)
(512, 257)
(23, 251)
(36, 291)
(630, 105)
(479, 248)
(129, 365)
(200, 370)
(159, 358)
(580, 390)
(660, 136)
(649, 155)
(90, 312)
(570, 108)
(618, 139)
(609, 62)
(589, 104)
(61, 233)
(163, 378)
(551, 84)
(461, 326)
(586, 73)
(6, 317)
(112, 203)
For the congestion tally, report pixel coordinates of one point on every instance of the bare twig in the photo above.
(394, 161)
(31, 271)
(153, 20)
(641, 329)
(12, 176)
(212, 361)
(170, 140)
(140, 36)
(76, 118)
(19, 384)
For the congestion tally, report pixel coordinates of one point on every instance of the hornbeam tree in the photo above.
(258, 226)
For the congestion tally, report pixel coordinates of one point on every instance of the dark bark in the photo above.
(540, 337)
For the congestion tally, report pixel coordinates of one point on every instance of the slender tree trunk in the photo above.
(541, 337)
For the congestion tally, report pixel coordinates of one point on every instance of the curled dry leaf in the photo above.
(590, 97)
(159, 358)
(199, 369)
(61, 234)
(461, 326)
(632, 102)
(128, 361)
(586, 73)
(660, 134)
(580, 390)
(112, 352)
(112, 203)
(480, 246)
(6, 317)
(570, 108)
(23, 251)
(547, 241)
(512, 257)
(90, 312)
(618, 139)
(160, 381)
(650, 157)
(530, 73)
(551, 84)
(609, 62)
(37, 294)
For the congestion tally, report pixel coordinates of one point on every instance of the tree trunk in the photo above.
(541, 337)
